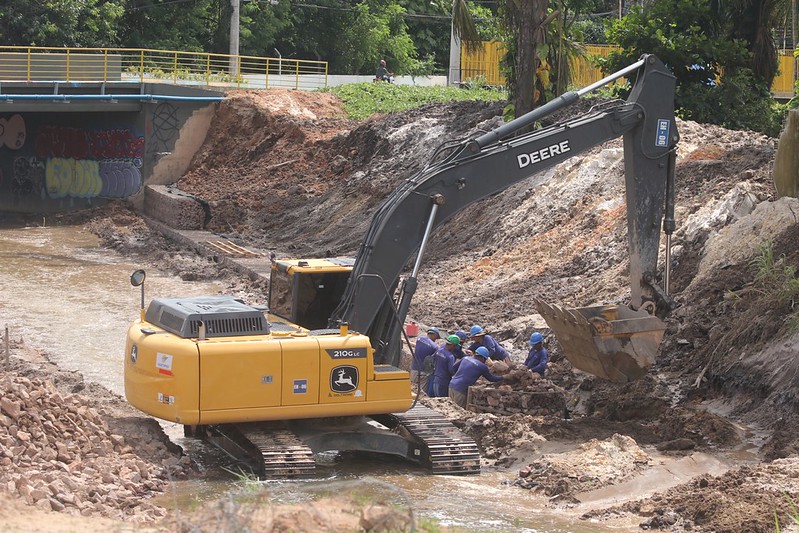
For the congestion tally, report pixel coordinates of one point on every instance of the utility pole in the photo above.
(234, 38)
(454, 77)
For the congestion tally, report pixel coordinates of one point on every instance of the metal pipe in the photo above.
(616, 75)
(425, 238)
(669, 224)
(410, 284)
(550, 107)
(8, 97)
(667, 273)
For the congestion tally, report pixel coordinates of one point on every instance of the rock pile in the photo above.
(521, 391)
(57, 453)
(593, 464)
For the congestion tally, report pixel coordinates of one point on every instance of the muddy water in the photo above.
(62, 293)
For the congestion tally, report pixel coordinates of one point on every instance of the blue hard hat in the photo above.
(435, 330)
(462, 335)
(476, 330)
(482, 351)
(535, 338)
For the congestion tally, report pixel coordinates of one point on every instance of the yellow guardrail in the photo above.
(32, 63)
(485, 63)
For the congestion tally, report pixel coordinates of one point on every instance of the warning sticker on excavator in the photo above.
(163, 362)
(300, 386)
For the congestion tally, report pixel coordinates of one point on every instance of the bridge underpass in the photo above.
(73, 145)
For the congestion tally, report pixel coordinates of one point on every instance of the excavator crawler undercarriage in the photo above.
(285, 450)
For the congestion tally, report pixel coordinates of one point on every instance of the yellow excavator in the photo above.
(319, 368)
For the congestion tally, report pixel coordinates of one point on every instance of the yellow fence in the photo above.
(485, 63)
(164, 66)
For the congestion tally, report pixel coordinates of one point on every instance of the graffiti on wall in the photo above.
(28, 177)
(87, 164)
(12, 132)
(165, 127)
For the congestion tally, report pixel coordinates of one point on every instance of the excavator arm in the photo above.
(486, 165)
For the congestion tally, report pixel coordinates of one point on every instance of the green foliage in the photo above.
(714, 81)
(793, 514)
(185, 74)
(198, 26)
(430, 35)
(248, 480)
(555, 54)
(777, 280)
(362, 100)
(87, 23)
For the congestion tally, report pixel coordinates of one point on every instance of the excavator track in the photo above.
(276, 451)
(444, 448)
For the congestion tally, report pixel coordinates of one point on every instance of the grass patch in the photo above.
(778, 280)
(248, 480)
(362, 100)
(793, 514)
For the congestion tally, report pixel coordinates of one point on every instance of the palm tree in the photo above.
(754, 21)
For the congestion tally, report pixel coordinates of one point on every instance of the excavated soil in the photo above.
(284, 172)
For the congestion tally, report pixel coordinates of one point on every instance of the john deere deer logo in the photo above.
(344, 379)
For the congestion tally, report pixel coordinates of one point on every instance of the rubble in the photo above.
(521, 391)
(58, 454)
(593, 464)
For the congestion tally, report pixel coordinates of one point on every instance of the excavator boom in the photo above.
(486, 165)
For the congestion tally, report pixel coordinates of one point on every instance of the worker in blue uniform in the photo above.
(425, 347)
(444, 361)
(496, 351)
(538, 356)
(459, 352)
(468, 370)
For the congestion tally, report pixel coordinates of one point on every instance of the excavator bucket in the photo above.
(610, 341)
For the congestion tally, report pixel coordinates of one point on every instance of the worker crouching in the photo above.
(468, 370)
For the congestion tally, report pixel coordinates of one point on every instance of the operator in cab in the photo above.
(467, 371)
(538, 356)
(425, 347)
(496, 351)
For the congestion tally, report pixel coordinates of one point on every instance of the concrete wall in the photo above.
(56, 161)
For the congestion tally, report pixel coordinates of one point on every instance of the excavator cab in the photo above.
(305, 291)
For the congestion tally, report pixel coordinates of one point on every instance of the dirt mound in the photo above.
(308, 184)
(743, 499)
(593, 465)
(498, 437)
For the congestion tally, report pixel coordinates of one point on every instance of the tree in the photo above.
(428, 25)
(714, 80)
(58, 23)
(754, 21)
(352, 37)
(198, 26)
